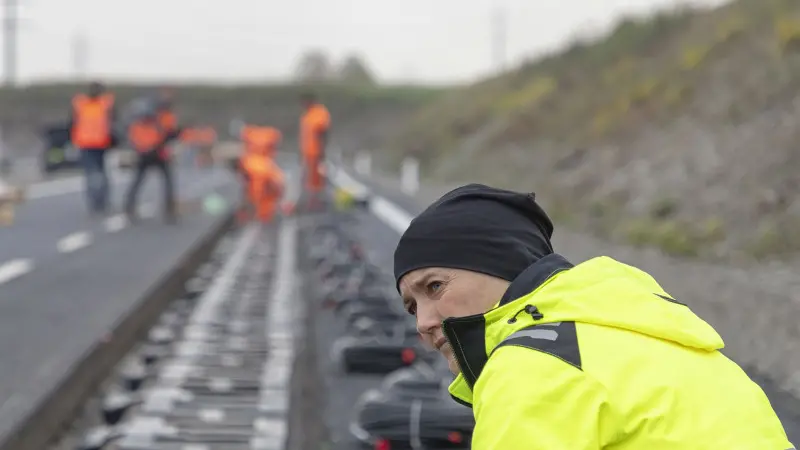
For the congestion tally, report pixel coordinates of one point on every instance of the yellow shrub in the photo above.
(619, 71)
(603, 121)
(667, 235)
(644, 90)
(675, 94)
(788, 34)
(621, 106)
(694, 56)
(610, 76)
(730, 28)
(530, 94)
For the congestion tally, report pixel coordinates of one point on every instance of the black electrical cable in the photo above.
(371, 356)
(414, 408)
(392, 418)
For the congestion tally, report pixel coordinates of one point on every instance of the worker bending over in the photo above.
(314, 127)
(148, 137)
(263, 179)
(91, 126)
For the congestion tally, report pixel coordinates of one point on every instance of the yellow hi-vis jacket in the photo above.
(599, 356)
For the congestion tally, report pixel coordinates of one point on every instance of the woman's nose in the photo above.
(427, 319)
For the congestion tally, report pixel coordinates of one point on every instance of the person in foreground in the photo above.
(552, 355)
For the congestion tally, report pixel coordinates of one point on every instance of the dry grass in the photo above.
(684, 104)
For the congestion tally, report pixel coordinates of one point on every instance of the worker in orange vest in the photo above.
(263, 180)
(148, 137)
(168, 120)
(91, 125)
(314, 129)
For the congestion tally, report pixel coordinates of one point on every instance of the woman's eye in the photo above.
(434, 286)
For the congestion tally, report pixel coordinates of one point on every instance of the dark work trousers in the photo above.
(144, 164)
(96, 179)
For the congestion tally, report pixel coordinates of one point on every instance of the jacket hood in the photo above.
(600, 291)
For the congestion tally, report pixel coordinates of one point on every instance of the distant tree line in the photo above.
(315, 66)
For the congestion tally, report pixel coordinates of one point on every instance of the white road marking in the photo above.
(74, 241)
(14, 268)
(388, 212)
(116, 223)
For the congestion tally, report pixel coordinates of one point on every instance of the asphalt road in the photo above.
(66, 278)
(54, 220)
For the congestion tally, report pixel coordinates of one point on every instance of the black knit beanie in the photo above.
(477, 228)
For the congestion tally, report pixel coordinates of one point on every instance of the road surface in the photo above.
(66, 278)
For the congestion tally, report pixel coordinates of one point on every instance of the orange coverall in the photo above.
(314, 122)
(264, 179)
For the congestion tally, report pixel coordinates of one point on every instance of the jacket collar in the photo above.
(467, 335)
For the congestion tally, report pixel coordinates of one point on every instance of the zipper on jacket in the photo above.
(446, 331)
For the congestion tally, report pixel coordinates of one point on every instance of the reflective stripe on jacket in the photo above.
(599, 356)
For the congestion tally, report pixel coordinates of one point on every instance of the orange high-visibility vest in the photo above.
(145, 136)
(92, 124)
(168, 121)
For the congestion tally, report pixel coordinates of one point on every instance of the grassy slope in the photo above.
(368, 109)
(671, 122)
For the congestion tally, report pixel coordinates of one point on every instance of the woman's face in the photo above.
(434, 294)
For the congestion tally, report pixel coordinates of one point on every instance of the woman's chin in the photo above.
(453, 365)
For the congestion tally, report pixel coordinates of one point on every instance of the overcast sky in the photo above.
(417, 40)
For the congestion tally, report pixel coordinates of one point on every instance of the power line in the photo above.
(10, 29)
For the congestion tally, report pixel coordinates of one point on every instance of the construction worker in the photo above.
(262, 178)
(314, 130)
(552, 355)
(91, 125)
(148, 137)
(168, 121)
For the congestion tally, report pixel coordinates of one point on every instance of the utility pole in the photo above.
(10, 29)
(499, 37)
(80, 55)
